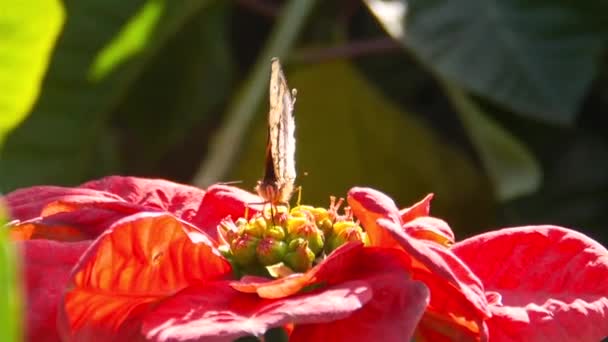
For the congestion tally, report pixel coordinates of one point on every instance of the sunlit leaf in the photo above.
(63, 134)
(27, 35)
(131, 40)
(538, 58)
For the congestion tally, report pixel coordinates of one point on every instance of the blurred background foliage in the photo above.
(496, 107)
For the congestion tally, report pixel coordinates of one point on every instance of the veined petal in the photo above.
(552, 280)
(137, 262)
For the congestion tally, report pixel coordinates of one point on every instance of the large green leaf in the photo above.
(348, 134)
(104, 46)
(511, 167)
(537, 58)
(27, 34)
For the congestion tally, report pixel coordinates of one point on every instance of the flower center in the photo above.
(278, 241)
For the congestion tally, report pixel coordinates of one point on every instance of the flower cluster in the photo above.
(279, 241)
(126, 258)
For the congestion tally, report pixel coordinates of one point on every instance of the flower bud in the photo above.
(296, 223)
(255, 227)
(312, 235)
(271, 251)
(345, 231)
(275, 232)
(299, 257)
(243, 249)
(301, 211)
(326, 226)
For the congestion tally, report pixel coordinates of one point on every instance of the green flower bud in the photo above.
(243, 249)
(271, 251)
(255, 227)
(326, 226)
(345, 231)
(275, 232)
(299, 257)
(312, 235)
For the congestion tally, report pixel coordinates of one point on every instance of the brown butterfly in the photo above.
(280, 166)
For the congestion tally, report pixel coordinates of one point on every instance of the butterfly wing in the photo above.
(280, 173)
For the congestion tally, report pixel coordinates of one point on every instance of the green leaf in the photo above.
(182, 88)
(349, 135)
(104, 47)
(511, 167)
(10, 296)
(537, 58)
(28, 31)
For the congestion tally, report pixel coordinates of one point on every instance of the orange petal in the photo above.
(137, 262)
(368, 206)
(34, 230)
(431, 229)
(422, 208)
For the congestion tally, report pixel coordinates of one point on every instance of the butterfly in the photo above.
(280, 166)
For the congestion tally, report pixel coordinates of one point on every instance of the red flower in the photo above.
(545, 283)
(152, 270)
(538, 283)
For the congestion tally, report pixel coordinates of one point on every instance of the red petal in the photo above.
(553, 283)
(181, 200)
(457, 295)
(222, 201)
(328, 313)
(26, 204)
(91, 219)
(422, 208)
(392, 314)
(137, 262)
(431, 229)
(216, 312)
(369, 205)
(47, 266)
